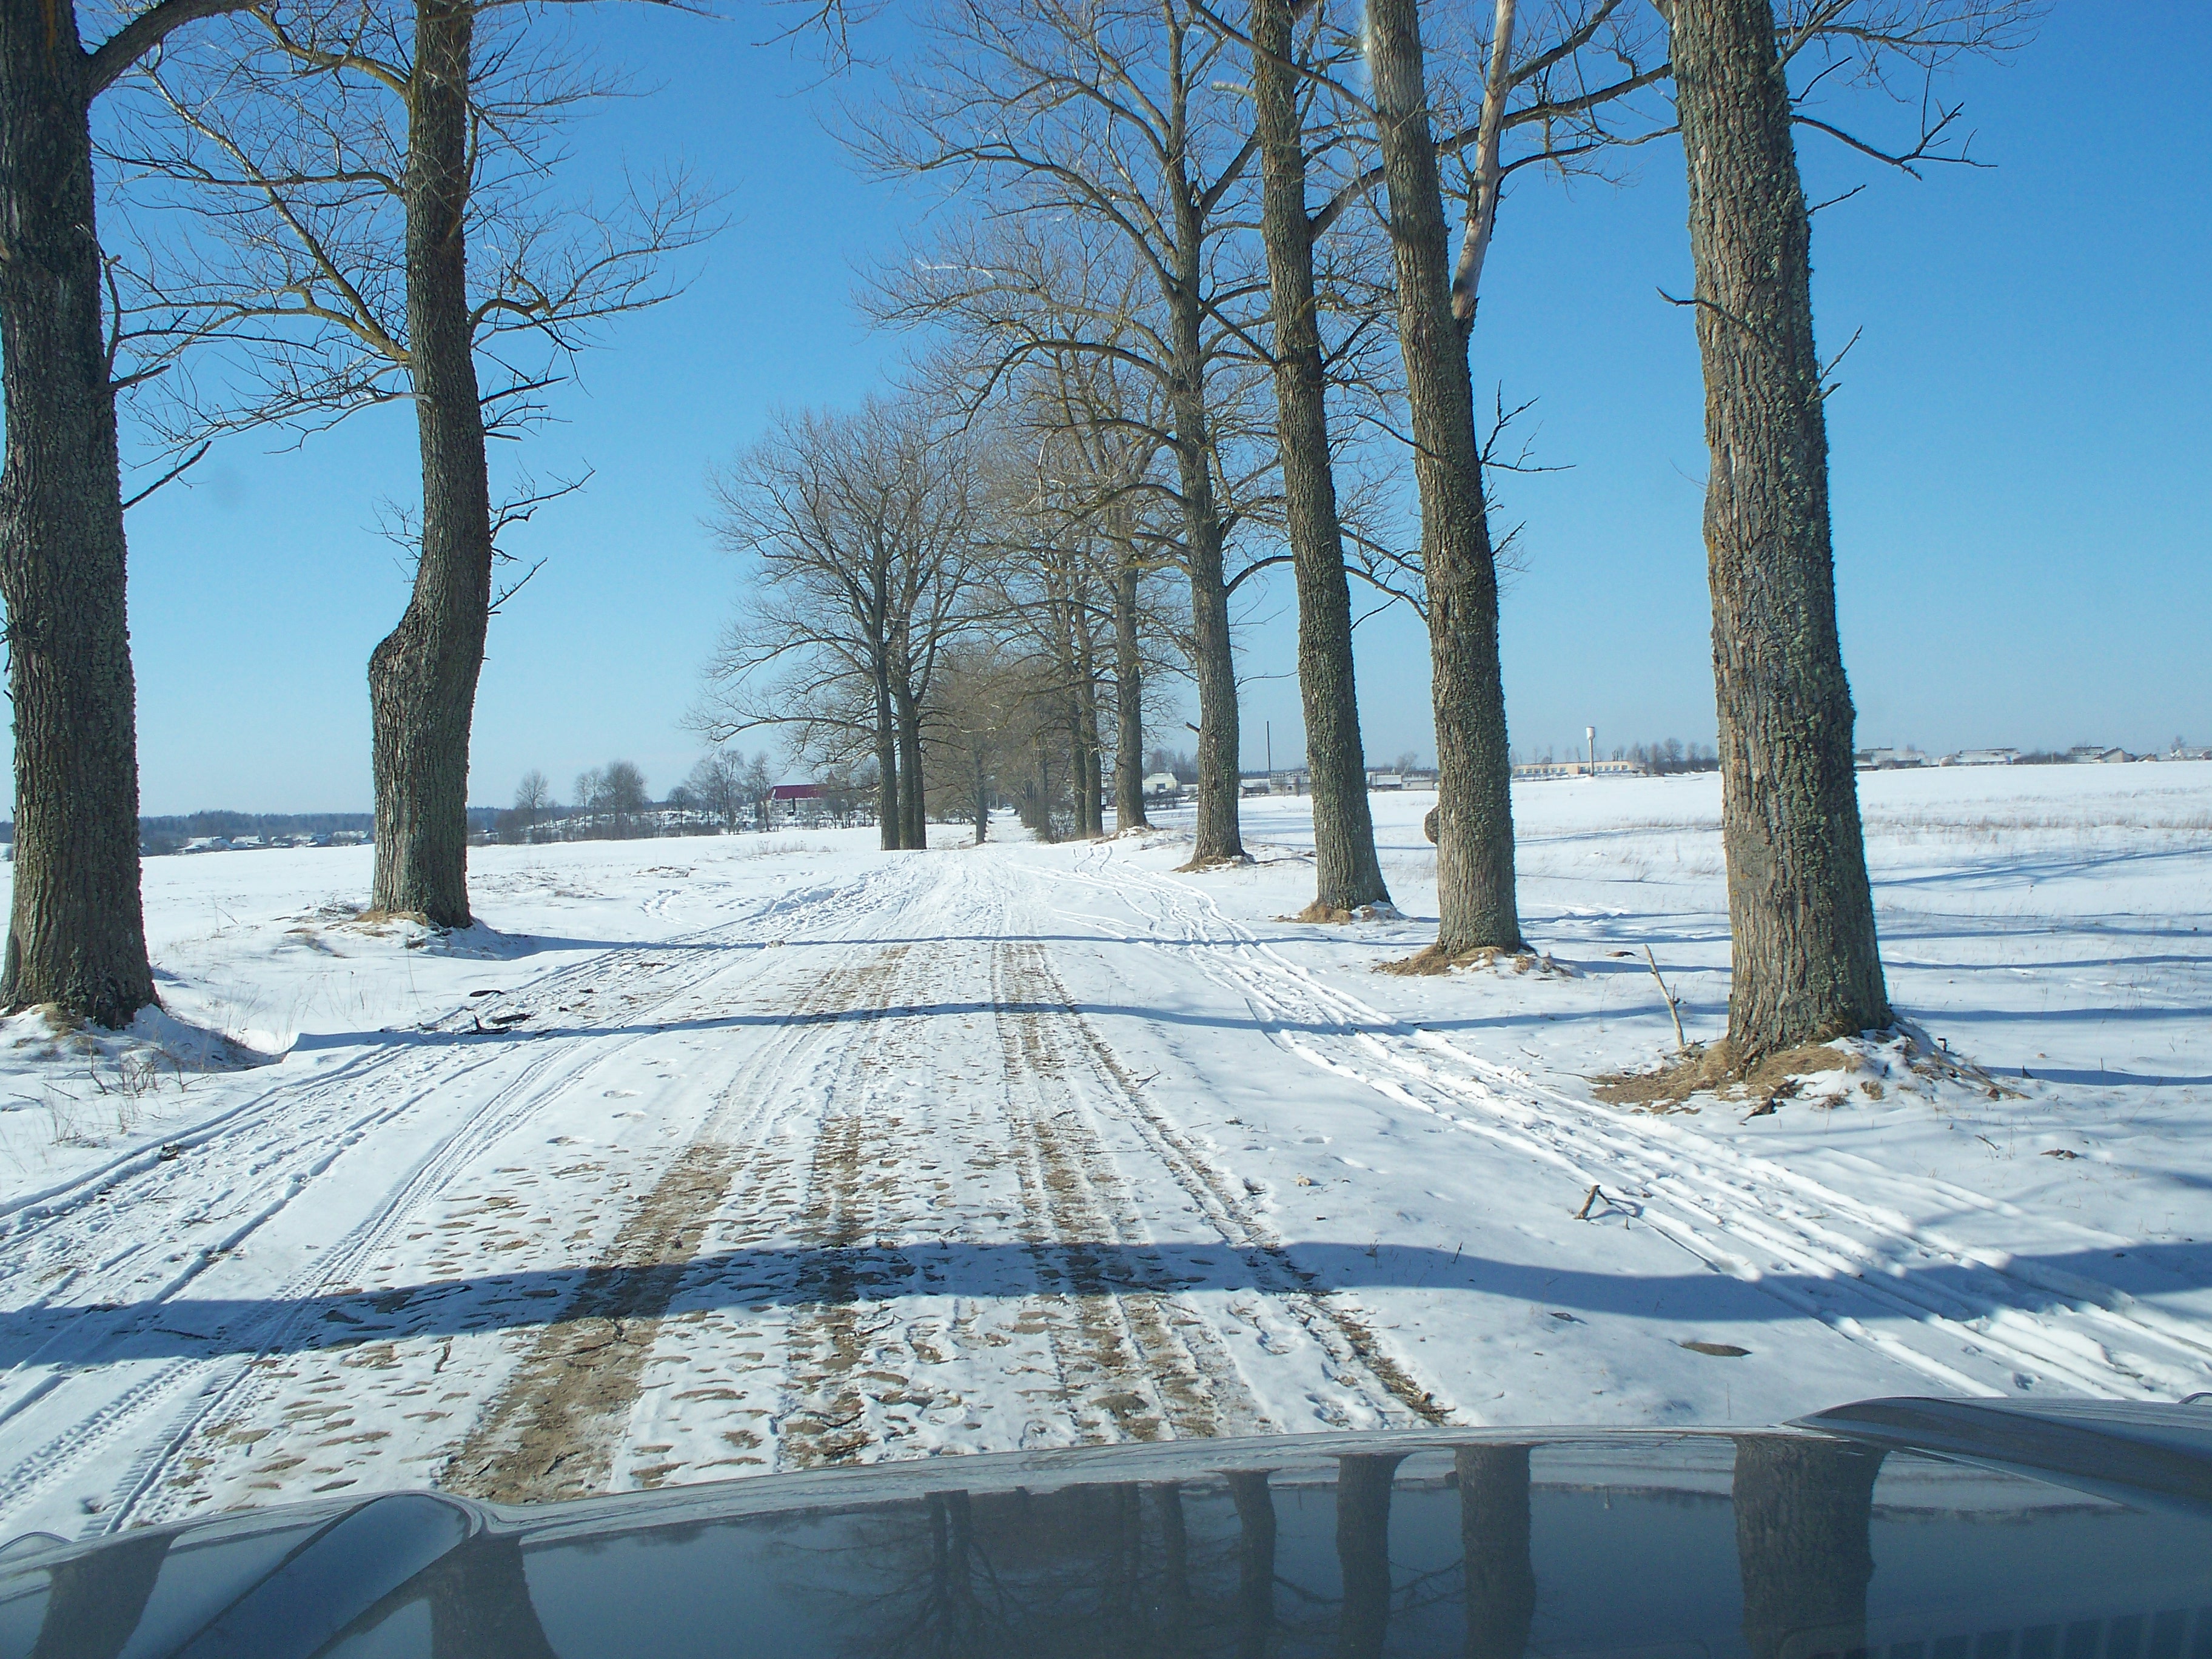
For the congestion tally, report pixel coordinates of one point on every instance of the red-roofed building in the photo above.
(795, 803)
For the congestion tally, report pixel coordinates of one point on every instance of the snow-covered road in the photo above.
(848, 1156)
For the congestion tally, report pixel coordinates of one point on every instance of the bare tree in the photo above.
(718, 783)
(1476, 900)
(1099, 427)
(1347, 876)
(623, 797)
(760, 786)
(374, 182)
(77, 931)
(861, 531)
(590, 800)
(984, 704)
(1120, 168)
(1549, 90)
(1805, 960)
(531, 796)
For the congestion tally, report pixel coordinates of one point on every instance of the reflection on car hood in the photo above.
(1900, 1529)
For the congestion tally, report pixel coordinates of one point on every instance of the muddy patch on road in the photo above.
(554, 1430)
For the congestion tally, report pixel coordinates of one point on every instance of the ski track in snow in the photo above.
(850, 1174)
(1749, 1217)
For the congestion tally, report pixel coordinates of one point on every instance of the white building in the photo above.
(1579, 769)
(1888, 760)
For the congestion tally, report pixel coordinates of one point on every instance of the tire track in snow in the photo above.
(1136, 1363)
(285, 1140)
(240, 1407)
(1740, 1214)
(1355, 1360)
(905, 1315)
(555, 1428)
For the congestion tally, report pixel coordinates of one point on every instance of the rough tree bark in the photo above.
(1476, 906)
(1090, 769)
(1347, 873)
(422, 675)
(1806, 962)
(77, 932)
(1128, 703)
(890, 823)
(1089, 819)
(914, 816)
(1219, 837)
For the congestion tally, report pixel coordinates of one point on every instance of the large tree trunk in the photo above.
(1090, 817)
(1214, 667)
(890, 824)
(1804, 1511)
(422, 677)
(77, 932)
(1346, 874)
(1128, 703)
(914, 806)
(1061, 641)
(1219, 838)
(1475, 901)
(1800, 914)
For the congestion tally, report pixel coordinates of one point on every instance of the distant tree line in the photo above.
(159, 835)
(725, 793)
(1672, 756)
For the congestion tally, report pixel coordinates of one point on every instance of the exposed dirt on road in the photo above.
(554, 1430)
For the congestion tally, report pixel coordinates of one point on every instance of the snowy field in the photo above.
(706, 1158)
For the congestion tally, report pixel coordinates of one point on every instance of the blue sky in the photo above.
(2022, 450)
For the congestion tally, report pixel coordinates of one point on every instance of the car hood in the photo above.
(1909, 1529)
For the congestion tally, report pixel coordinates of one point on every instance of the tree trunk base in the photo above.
(1225, 861)
(372, 917)
(1769, 1079)
(1435, 959)
(1337, 915)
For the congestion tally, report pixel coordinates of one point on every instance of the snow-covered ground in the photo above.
(707, 1157)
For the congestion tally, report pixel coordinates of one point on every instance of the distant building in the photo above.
(1159, 785)
(1536, 771)
(1386, 780)
(1982, 757)
(1887, 760)
(795, 803)
(2094, 754)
